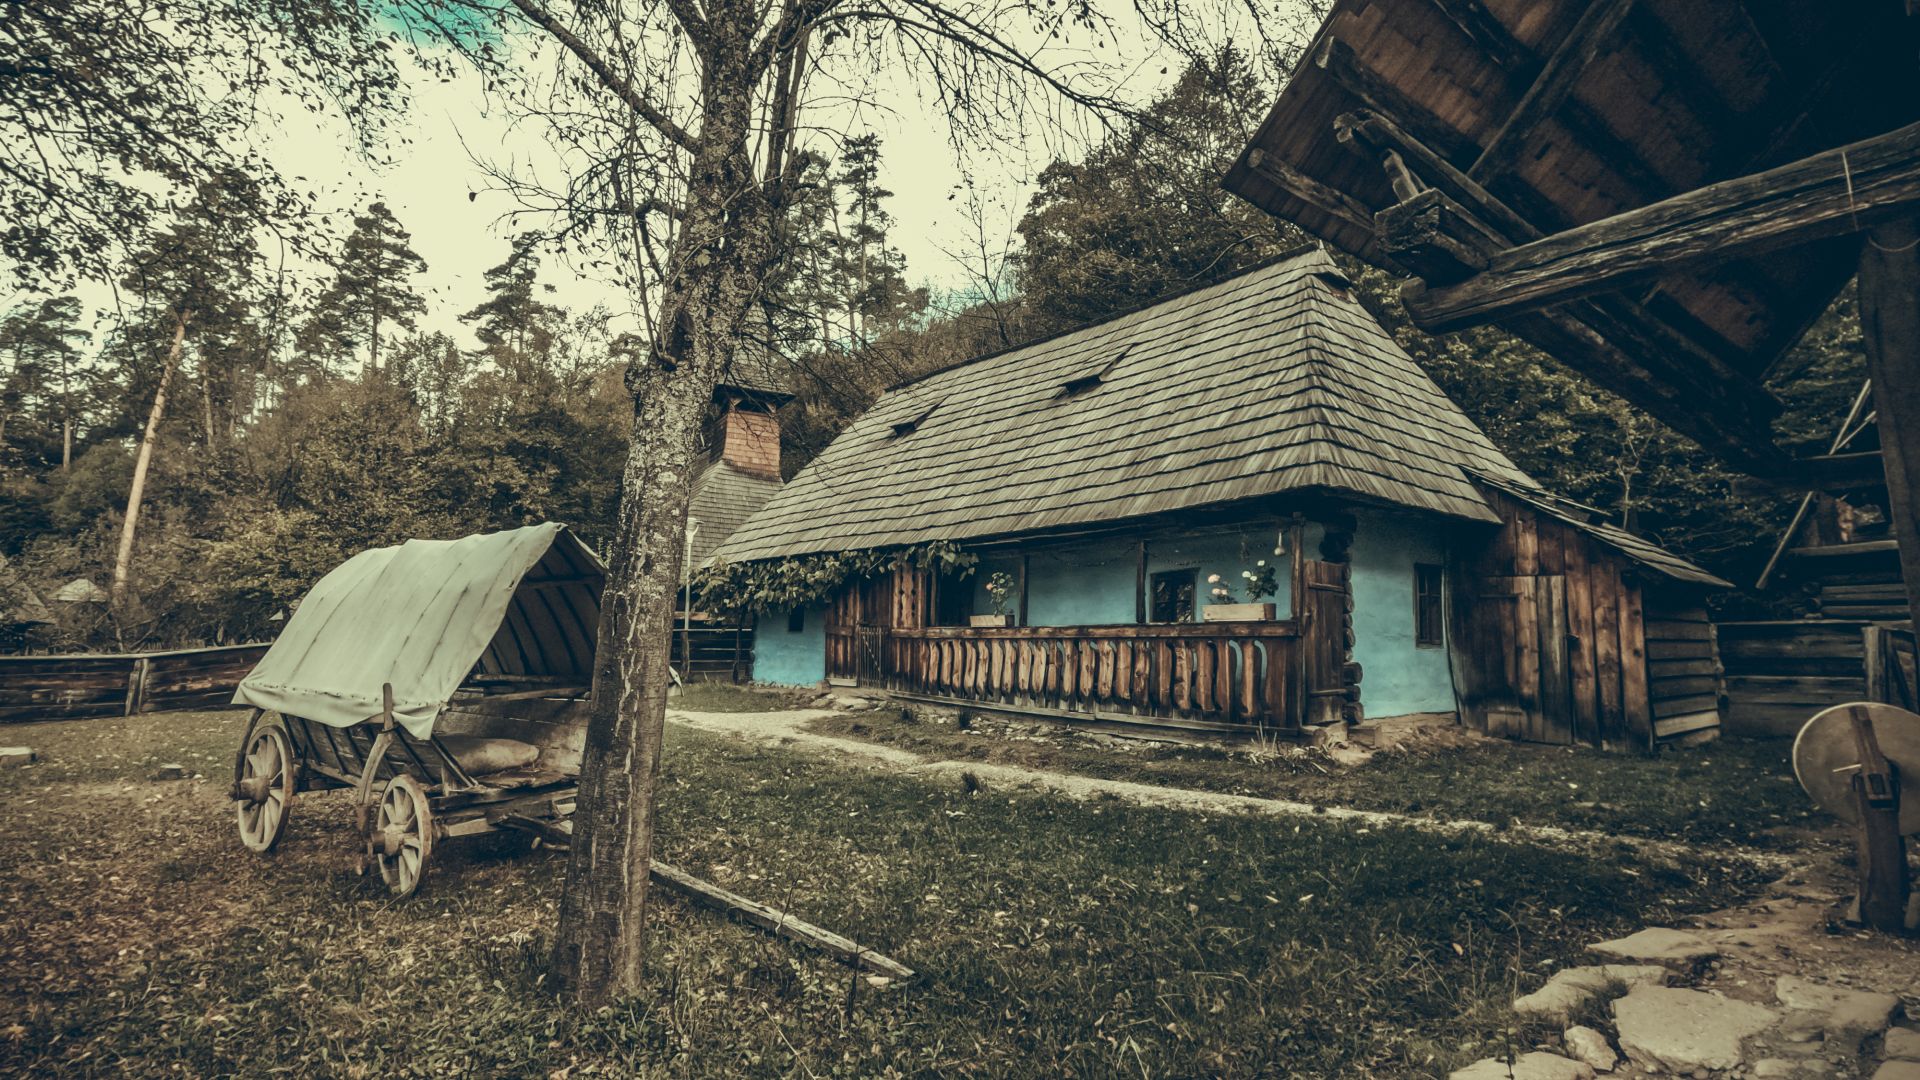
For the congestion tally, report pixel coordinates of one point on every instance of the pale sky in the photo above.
(449, 123)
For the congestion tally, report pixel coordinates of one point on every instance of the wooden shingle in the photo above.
(1276, 381)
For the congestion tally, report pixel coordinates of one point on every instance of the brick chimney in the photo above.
(750, 442)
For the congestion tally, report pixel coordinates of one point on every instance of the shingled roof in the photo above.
(1275, 381)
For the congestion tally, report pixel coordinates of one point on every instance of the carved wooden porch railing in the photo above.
(1242, 674)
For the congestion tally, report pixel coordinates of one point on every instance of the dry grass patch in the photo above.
(1057, 938)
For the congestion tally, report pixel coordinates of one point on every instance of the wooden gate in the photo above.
(856, 630)
(1326, 641)
(1516, 645)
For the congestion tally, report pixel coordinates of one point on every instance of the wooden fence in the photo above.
(66, 687)
(1244, 675)
(720, 650)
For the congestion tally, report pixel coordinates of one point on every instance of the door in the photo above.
(1520, 685)
(858, 622)
(1326, 640)
(843, 615)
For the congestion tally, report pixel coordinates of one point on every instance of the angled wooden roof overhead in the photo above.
(1490, 131)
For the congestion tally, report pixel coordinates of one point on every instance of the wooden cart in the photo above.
(408, 793)
(479, 650)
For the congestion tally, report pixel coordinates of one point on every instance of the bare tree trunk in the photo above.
(600, 944)
(123, 561)
(713, 280)
(66, 415)
(206, 397)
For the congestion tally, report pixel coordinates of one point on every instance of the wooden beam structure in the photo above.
(1617, 343)
(1552, 86)
(1890, 325)
(1830, 194)
(1334, 203)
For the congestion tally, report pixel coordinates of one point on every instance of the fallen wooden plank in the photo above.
(766, 918)
(776, 921)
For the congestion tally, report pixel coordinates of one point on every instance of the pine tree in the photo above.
(874, 274)
(513, 323)
(371, 291)
(41, 342)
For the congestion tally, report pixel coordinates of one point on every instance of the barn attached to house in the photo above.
(1265, 426)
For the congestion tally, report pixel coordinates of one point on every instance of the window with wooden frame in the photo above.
(1429, 611)
(797, 620)
(1170, 595)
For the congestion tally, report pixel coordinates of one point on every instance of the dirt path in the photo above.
(788, 730)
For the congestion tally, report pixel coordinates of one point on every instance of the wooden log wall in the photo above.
(1620, 675)
(1780, 673)
(77, 686)
(1230, 675)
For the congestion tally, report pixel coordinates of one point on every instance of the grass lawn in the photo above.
(727, 697)
(1055, 938)
(1734, 791)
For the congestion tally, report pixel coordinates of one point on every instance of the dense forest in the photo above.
(282, 430)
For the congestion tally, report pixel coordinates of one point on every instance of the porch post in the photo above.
(1026, 564)
(1890, 325)
(1140, 585)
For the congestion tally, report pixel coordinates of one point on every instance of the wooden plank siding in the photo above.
(1566, 639)
(1779, 673)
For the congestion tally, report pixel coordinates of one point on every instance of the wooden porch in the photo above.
(1217, 679)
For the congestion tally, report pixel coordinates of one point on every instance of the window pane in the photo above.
(1172, 594)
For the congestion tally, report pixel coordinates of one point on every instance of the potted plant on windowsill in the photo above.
(1223, 607)
(1000, 598)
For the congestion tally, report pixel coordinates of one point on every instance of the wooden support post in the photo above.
(1873, 645)
(137, 686)
(1883, 853)
(1890, 325)
(1026, 567)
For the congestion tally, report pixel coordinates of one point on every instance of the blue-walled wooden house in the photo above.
(1106, 476)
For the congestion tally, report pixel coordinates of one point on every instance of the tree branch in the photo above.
(604, 72)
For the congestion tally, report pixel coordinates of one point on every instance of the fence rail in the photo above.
(121, 684)
(1227, 673)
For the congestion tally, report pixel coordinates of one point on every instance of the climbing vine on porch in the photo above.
(752, 588)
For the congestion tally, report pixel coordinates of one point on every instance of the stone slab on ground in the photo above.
(1844, 1015)
(1678, 1031)
(1903, 1044)
(1569, 990)
(1897, 1070)
(1676, 949)
(11, 756)
(1588, 1045)
(1538, 1065)
(1787, 1068)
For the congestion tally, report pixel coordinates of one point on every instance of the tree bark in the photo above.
(714, 278)
(123, 561)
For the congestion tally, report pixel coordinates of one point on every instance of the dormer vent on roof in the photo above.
(908, 427)
(1091, 375)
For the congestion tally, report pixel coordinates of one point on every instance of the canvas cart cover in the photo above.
(422, 615)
